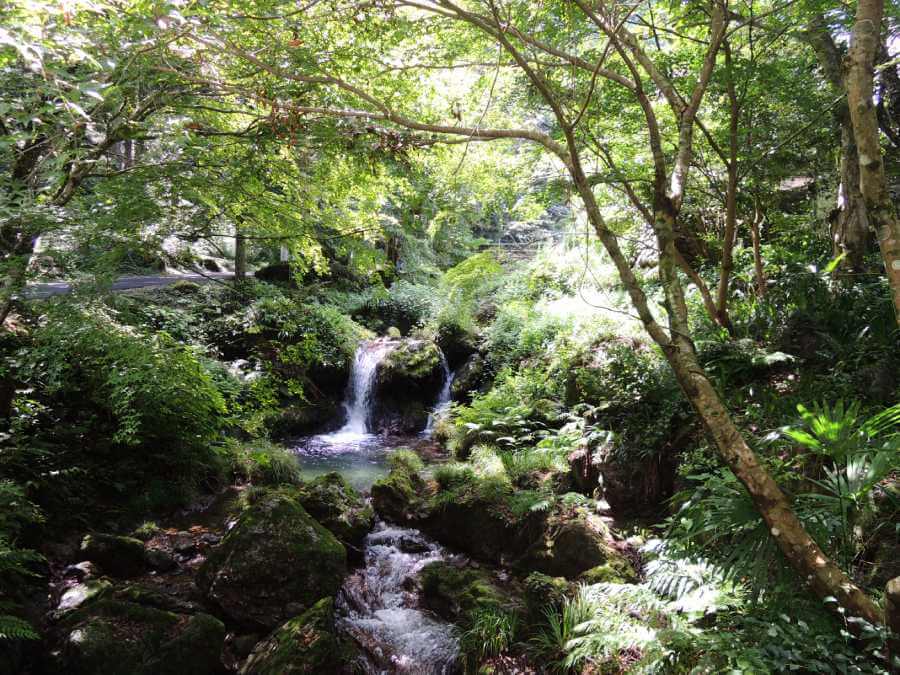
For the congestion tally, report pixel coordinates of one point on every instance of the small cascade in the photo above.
(377, 607)
(359, 398)
(443, 400)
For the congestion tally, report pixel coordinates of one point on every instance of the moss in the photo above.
(115, 637)
(305, 644)
(452, 592)
(275, 563)
(119, 556)
(543, 591)
(336, 505)
(411, 360)
(398, 496)
(616, 570)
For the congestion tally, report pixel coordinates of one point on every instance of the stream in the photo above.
(378, 604)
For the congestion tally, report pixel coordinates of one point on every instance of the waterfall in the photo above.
(360, 388)
(443, 400)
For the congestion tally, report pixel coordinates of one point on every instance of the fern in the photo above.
(14, 628)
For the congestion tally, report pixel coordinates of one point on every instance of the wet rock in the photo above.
(122, 638)
(81, 594)
(156, 597)
(83, 570)
(118, 556)
(307, 644)
(336, 505)
(456, 343)
(295, 420)
(277, 559)
(409, 544)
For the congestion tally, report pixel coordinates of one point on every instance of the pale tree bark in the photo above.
(849, 222)
(864, 46)
(731, 190)
(759, 218)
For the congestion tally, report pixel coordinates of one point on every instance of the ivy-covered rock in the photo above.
(123, 638)
(116, 555)
(307, 644)
(544, 592)
(336, 505)
(275, 563)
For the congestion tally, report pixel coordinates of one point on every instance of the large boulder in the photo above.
(124, 638)
(307, 644)
(336, 505)
(118, 556)
(407, 383)
(275, 563)
(573, 545)
(399, 496)
(304, 418)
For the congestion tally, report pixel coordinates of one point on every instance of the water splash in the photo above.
(377, 606)
(359, 398)
(443, 400)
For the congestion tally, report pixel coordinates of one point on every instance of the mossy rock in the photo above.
(305, 418)
(450, 591)
(123, 638)
(617, 570)
(570, 547)
(275, 563)
(407, 383)
(116, 555)
(544, 592)
(469, 379)
(398, 497)
(336, 505)
(414, 364)
(307, 644)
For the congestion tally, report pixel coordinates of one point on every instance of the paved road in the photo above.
(37, 291)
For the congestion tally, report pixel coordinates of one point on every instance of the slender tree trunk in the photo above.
(731, 188)
(759, 271)
(799, 548)
(240, 255)
(864, 45)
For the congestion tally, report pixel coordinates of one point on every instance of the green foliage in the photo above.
(491, 632)
(405, 459)
(263, 463)
(16, 563)
(404, 305)
(551, 643)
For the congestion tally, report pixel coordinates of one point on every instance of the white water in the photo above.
(377, 607)
(360, 389)
(443, 401)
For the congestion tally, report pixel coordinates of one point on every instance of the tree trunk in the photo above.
(759, 271)
(798, 547)
(864, 45)
(240, 255)
(850, 225)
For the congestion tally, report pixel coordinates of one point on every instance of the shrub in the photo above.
(264, 463)
(16, 513)
(491, 631)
